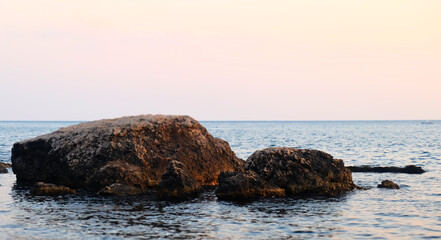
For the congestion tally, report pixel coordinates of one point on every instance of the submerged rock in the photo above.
(388, 184)
(287, 171)
(49, 189)
(118, 189)
(177, 182)
(411, 169)
(133, 151)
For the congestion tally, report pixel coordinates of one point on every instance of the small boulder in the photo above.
(177, 182)
(49, 189)
(3, 167)
(388, 184)
(295, 171)
(119, 189)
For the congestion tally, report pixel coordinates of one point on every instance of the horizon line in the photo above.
(333, 120)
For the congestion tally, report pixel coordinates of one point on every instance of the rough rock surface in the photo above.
(134, 151)
(177, 182)
(49, 189)
(3, 167)
(119, 189)
(244, 185)
(272, 171)
(388, 184)
(411, 169)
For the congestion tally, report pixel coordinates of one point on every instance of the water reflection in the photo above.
(88, 215)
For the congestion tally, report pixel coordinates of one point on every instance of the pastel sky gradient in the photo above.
(220, 59)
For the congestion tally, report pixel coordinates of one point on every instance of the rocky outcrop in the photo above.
(119, 189)
(177, 182)
(3, 167)
(49, 189)
(132, 151)
(287, 171)
(388, 184)
(411, 169)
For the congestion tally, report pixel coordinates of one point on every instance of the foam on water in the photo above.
(412, 212)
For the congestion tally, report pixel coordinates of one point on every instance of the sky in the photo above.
(220, 59)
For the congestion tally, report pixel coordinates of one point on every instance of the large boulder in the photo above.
(287, 171)
(133, 151)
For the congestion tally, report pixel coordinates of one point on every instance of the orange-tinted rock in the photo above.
(3, 167)
(133, 151)
(388, 184)
(49, 189)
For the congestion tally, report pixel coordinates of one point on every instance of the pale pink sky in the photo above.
(220, 59)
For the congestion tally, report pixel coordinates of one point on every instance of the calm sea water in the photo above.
(412, 212)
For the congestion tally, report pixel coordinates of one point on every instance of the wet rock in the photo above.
(49, 189)
(134, 151)
(177, 182)
(411, 169)
(119, 189)
(245, 185)
(388, 184)
(295, 171)
(3, 167)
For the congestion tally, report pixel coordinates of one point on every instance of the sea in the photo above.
(412, 212)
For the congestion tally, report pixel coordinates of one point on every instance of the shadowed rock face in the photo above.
(119, 189)
(245, 185)
(410, 169)
(177, 183)
(289, 170)
(134, 151)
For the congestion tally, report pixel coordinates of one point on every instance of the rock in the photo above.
(118, 189)
(388, 184)
(134, 151)
(245, 185)
(411, 169)
(272, 171)
(177, 182)
(3, 167)
(49, 189)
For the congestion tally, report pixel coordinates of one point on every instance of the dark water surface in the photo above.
(412, 212)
